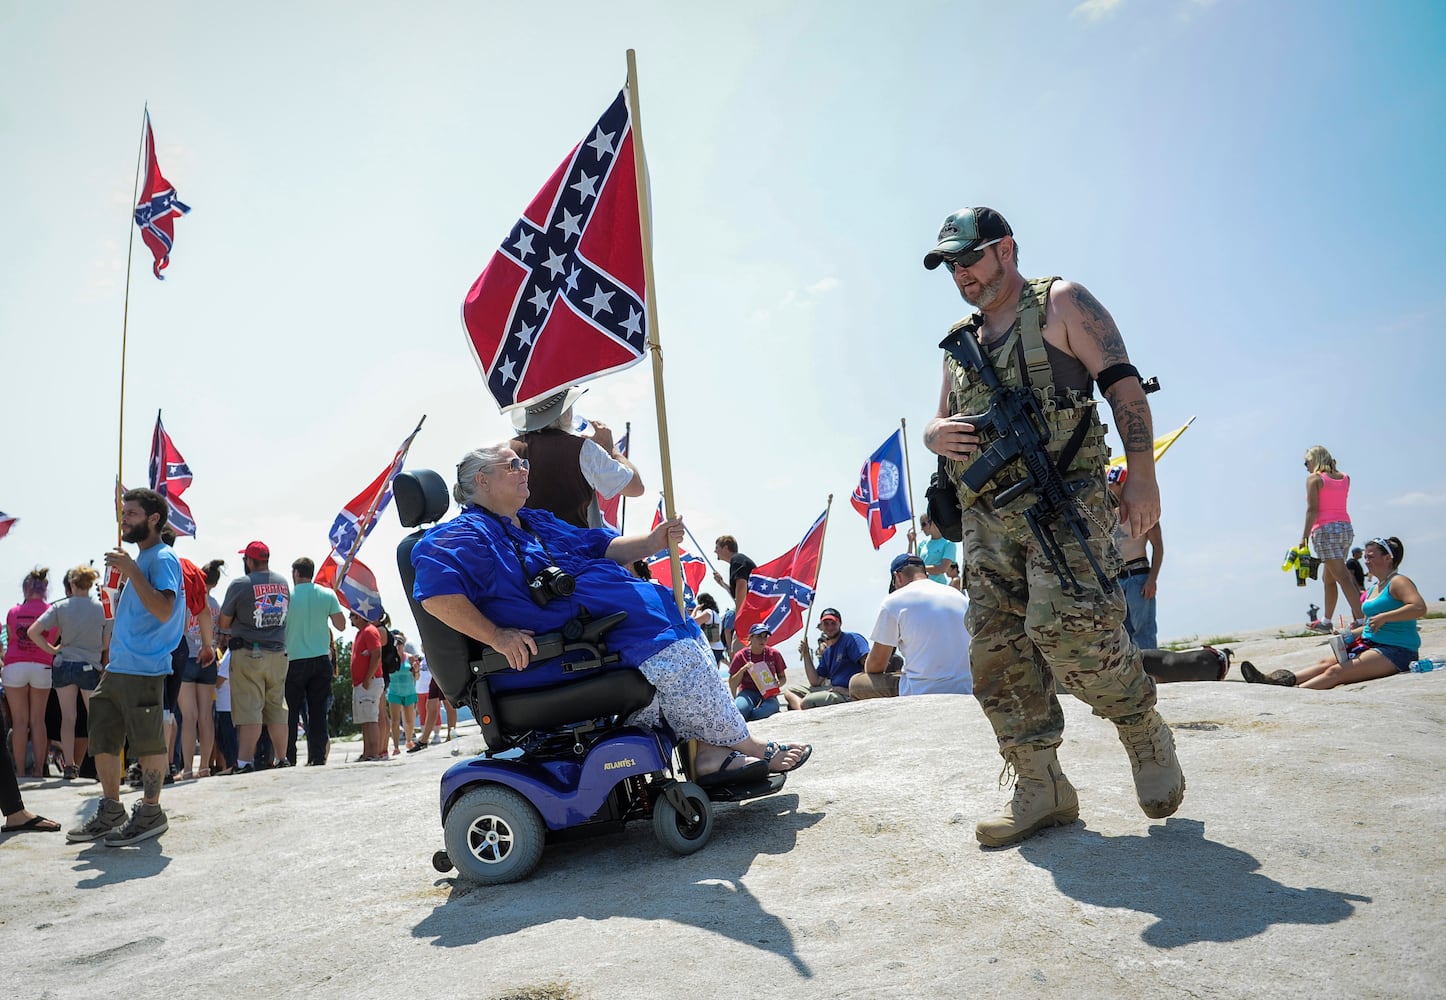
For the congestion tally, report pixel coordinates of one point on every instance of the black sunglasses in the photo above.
(969, 258)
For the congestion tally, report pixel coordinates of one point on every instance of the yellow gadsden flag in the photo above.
(1162, 444)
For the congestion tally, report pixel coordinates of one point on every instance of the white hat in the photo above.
(545, 412)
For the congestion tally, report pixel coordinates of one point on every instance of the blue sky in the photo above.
(1252, 189)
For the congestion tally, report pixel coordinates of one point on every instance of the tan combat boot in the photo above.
(1043, 797)
(1159, 782)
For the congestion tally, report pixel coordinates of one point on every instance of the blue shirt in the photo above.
(934, 551)
(141, 643)
(476, 555)
(843, 659)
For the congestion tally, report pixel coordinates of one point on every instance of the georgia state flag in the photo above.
(881, 497)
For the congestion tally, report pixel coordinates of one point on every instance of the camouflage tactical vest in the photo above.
(967, 394)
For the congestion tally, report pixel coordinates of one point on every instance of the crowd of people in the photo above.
(186, 685)
(178, 672)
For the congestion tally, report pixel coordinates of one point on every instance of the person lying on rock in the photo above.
(485, 574)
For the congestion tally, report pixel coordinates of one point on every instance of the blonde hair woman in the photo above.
(80, 652)
(1328, 527)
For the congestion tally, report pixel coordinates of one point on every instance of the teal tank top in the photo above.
(1403, 634)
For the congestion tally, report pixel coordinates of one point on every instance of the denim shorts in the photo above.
(79, 673)
(1399, 656)
(193, 673)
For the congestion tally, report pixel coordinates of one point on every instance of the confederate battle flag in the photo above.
(170, 475)
(158, 208)
(562, 300)
(780, 591)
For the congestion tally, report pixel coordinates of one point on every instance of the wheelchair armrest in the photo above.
(553, 644)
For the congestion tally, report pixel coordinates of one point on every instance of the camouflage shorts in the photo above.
(1029, 634)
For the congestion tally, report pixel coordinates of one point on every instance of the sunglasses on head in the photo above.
(969, 258)
(515, 465)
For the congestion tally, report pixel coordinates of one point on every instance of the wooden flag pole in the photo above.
(125, 322)
(908, 477)
(818, 570)
(645, 221)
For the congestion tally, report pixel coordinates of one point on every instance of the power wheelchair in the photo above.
(561, 761)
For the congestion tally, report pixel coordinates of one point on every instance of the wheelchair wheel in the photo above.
(494, 835)
(679, 833)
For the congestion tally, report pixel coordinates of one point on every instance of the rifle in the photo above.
(1015, 417)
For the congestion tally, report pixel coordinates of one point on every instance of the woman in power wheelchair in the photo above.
(508, 577)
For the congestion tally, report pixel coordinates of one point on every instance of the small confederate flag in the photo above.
(880, 496)
(695, 570)
(611, 508)
(6, 523)
(357, 518)
(779, 592)
(170, 475)
(562, 300)
(158, 208)
(357, 591)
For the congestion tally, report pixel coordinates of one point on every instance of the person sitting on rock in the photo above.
(1384, 646)
(842, 657)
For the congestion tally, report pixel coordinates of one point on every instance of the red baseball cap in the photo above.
(256, 550)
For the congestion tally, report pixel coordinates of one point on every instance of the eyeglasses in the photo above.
(968, 259)
(515, 465)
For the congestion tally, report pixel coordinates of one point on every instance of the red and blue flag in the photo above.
(880, 496)
(611, 508)
(781, 591)
(6, 523)
(170, 476)
(357, 518)
(695, 570)
(563, 299)
(158, 208)
(357, 590)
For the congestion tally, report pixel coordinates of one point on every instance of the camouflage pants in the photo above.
(1029, 634)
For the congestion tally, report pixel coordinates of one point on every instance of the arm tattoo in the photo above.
(1100, 327)
(1132, 421)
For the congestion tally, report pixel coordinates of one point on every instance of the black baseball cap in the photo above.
(965, 230)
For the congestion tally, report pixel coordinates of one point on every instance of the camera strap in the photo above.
(521, 558)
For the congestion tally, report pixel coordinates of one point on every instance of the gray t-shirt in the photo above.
(84, 630)
(258, 602)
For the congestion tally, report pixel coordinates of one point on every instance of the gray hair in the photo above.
(472, 463)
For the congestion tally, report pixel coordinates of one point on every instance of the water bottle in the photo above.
(1422, 666)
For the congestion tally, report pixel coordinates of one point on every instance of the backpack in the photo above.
(194, 579)
(391, 659)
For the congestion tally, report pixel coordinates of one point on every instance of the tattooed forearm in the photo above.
(1100, 327)
(1132, 420)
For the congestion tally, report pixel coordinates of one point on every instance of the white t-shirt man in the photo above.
(924, 620)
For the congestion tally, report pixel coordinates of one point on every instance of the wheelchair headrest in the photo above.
(421, 496)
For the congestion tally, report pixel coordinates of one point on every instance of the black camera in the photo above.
(550, 582)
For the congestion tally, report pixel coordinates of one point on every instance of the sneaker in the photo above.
(146, 821)
(1339, 644)
(110, 816)
(416, 746)
(1323, 627)
(284, 762)
(71, 772)
(248, 769)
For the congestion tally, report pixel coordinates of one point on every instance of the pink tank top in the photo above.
(1332, 500)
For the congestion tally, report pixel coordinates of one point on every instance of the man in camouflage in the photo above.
(1029, 631)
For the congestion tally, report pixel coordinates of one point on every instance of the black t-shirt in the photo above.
(1359, 574)
(740, 567)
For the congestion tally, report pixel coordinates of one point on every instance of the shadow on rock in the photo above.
(631, 875)
(1197, 889)
(119, 864)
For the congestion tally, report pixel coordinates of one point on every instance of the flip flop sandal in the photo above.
(774, 749)
(725, 775)
(37, 824)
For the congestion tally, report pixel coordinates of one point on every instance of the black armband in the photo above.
(1114, 373)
